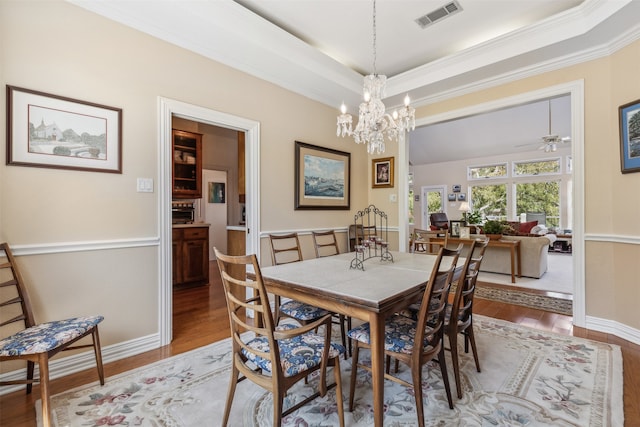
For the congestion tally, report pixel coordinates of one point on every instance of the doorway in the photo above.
(432, 201)
(168, 108)
(576, 91)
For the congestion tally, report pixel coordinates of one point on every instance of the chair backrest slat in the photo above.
(432, 312)
(325, 243)
(259, 302)
(462, 305)
(10, 273)
(285, 248)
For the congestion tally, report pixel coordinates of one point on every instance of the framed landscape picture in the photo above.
(322, 177)
(52, 131)
(630, 137)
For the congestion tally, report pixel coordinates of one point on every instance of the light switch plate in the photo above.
(145, 185)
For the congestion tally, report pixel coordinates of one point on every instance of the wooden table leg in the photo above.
(376, 323)
(519, 255)
(513, 263)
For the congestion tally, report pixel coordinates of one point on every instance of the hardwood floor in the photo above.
(200, 318)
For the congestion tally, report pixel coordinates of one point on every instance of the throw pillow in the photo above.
(525, 227)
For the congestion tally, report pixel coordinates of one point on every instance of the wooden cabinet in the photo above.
(191, 256)
(187, 165)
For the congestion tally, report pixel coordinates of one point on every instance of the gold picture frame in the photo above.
(382, 172)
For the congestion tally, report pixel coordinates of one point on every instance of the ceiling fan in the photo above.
(550, 142)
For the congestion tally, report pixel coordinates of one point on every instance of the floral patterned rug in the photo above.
(529, 378)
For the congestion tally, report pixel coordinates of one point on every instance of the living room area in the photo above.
(526, 188)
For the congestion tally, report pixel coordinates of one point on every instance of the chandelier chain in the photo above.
(375, 36)
(374, 123)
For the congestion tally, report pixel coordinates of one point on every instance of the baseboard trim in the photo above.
(86, 360)
(618, 329)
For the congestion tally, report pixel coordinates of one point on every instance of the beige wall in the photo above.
(56, 47)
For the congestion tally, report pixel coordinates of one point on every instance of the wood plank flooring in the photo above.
(200, 318)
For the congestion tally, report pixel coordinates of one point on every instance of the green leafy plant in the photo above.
(494, 227)
(474, 218)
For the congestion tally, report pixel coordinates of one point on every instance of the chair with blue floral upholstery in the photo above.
(37, 343)
(285, 248)
(415, 342)
(274, 357)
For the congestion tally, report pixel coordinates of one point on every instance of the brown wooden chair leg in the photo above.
(97, 349)
(230, 393)
(453, 344)
(354, 373)
(416, 375)
(31, 366)
(339, 401)
(43, 366)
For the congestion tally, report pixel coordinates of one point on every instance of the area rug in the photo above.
(529, 377)
(525, 299)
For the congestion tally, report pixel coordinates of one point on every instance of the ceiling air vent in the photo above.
(439, 14)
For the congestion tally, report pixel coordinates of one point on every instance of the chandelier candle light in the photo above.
(374, 123)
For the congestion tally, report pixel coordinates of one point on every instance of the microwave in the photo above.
(182, 212)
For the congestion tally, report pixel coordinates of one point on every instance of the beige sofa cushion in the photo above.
(533, 253)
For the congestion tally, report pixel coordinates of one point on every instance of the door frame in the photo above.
(576, 90)
(167, 109)
(442, 189)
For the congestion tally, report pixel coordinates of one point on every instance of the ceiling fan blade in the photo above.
(526, 145)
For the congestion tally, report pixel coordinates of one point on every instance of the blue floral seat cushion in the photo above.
(399, 332)
(301, 311)
(47, 336)
(297, 354)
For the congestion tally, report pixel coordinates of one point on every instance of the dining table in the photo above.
(382, 288)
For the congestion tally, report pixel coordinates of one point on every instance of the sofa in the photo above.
(533, 254)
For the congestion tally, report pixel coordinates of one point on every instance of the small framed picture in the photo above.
(456, 188)
(382, 172)
(465, 232)
(630, 137)
(462, 197)
(217, 192)
(451, 197)
(454, 228)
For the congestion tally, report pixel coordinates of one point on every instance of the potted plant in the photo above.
(493, 229)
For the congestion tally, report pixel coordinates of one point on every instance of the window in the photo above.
(487, 171)
(541, 196)
(490, 200)
(536, 167)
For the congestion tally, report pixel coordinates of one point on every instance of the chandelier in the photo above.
(374, 123)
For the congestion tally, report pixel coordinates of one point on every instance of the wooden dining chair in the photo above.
(285, 248)
(37, 343)
(326, 244)
(459, 314)
(415, 342)
(274, 358)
